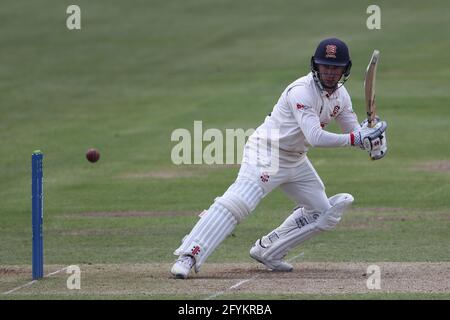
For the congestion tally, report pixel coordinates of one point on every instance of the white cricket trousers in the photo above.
(302, 184)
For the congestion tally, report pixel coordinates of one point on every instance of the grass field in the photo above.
(138, 70)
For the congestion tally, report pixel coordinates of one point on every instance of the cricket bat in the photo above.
(369, 88)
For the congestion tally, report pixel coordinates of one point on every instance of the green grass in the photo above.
(137, 71)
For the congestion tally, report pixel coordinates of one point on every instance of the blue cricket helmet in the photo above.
(332, 51)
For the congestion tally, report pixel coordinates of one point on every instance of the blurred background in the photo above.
(137, 70)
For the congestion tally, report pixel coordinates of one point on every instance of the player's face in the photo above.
(330, 75)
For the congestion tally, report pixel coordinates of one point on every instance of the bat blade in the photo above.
(369, 88)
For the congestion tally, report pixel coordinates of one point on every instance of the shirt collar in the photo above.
(325, 94)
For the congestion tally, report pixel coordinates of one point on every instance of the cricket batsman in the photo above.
(275, 155)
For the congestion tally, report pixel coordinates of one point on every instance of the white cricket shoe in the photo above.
(182, 266)
(256, 252)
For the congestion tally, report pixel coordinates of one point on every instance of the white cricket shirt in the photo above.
(299, 119)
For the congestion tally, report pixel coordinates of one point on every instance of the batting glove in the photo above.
(368, 138)
(377, 154)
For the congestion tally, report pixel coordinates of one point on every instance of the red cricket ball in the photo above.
(92, 155)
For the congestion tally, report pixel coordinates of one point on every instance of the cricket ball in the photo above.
(92, 155)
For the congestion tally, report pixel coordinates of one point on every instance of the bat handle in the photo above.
(371, 119)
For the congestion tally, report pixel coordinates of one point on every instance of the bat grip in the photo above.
(371, 119)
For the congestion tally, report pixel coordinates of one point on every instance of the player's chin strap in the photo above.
(316, 76)
(340, 83)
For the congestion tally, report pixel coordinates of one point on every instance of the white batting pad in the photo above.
(241, 198)
(212, 228)
(301, 226)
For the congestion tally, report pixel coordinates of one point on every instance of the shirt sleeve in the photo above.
(306, 112)
(347, 119)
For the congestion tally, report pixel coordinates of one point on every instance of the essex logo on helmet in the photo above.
(331, 51)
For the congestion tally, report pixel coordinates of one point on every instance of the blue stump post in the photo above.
(37, 211)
